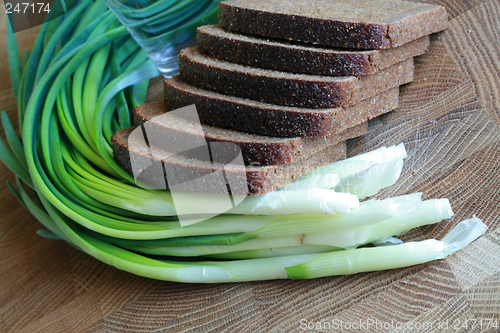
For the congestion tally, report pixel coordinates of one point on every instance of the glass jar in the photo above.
(163, 28)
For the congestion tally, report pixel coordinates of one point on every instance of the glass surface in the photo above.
(163, 28)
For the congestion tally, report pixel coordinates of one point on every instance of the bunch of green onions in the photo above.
(77, 87)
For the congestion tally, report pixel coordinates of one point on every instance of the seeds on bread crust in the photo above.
(301, 58)
(259, 179)
(274, 120)
(358, 24)
(255, 149)
(287, 89)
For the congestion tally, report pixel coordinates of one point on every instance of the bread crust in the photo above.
(256, 149)
(287, 89)
(258, 179)
(274, 120)
(358, 24)
(301, 58)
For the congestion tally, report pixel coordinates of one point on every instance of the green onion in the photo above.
(192, 251)
(355, 164)
(46, 233)
(388, 257)
(325, 182)
(274, 203)
(273, 252)
(366, 214)
(430, 212)
(15, 66)
(10, 159)
(371, 180)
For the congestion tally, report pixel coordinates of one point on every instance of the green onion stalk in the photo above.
(388, 257)
(430, 212)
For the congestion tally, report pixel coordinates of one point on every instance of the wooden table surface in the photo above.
(449, 120)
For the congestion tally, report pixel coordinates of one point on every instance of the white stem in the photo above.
(193, 251)
(371, 180)
(367, 213)
(242, 270)
(358, 163)
(324, 182)
(274, 252)
(388, 257)
(463, 234)
(382, 155)
(429, 212)
(312, 201)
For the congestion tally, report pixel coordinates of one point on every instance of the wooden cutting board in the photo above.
(449, 120)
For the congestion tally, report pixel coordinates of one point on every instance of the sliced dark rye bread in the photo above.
(259, 179)
(301, 58)
(358, 24)
(273, 120)
(255, 149)
(287, 89)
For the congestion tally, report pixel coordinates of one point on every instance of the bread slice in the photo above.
(301, 58)
(255, 149)
(273, 120)
(258, 179)
(358, 24)
(287, 89)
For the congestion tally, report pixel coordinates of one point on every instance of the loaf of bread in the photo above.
(358, 24)
(278, 86)
(287, 89)
(274, 120)
(255, 149)
(301, 58)
(258, 179)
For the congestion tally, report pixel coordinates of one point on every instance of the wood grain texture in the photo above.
(449, 120)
